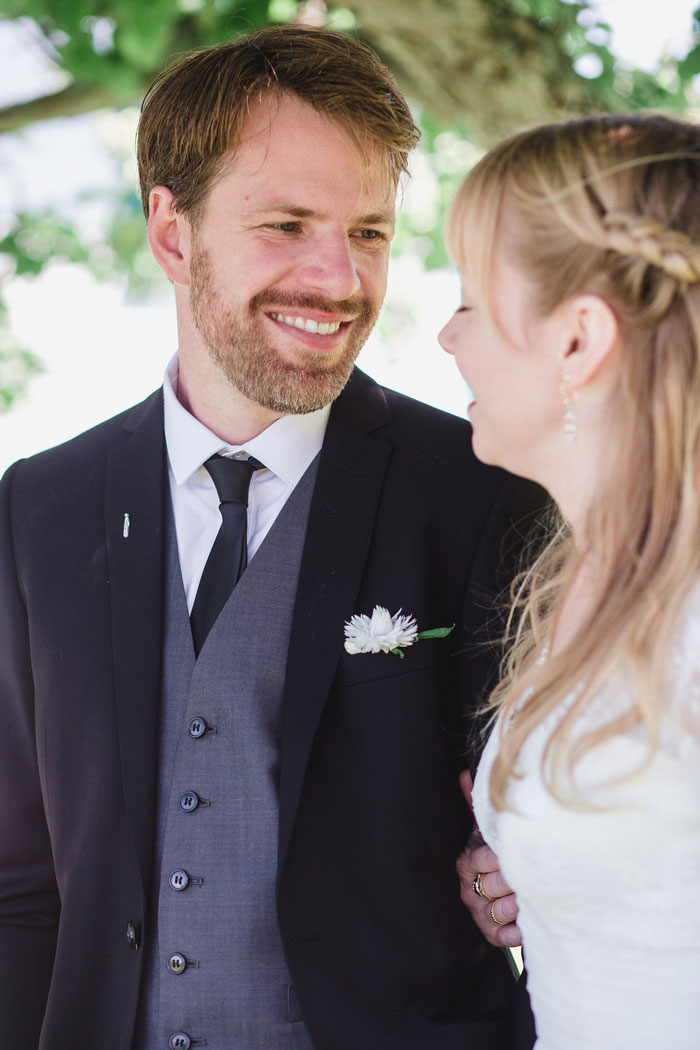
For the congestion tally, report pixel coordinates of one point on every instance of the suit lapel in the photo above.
(341, 523)
(134, 491)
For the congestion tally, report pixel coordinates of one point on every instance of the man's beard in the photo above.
(252, 364)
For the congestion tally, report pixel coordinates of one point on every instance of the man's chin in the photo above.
(289, 380)
(300, 390)
(311, 363)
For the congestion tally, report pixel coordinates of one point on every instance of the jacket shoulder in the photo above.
(81, 455)
(445, 442)
(440, 440)
(425, 422)
(70, 476)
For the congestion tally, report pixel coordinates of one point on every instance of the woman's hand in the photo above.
(496, 909)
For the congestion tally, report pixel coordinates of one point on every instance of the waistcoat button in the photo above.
(179, 880)
(177, 963)
(189, 801)
(197, 727)
(132, 935)
(180, 1041)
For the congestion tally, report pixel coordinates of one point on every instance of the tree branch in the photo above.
(70, 101)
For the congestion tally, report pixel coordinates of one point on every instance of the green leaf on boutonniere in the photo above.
(383, 633)
(437, 632)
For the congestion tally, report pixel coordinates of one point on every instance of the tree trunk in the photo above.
(474, 62)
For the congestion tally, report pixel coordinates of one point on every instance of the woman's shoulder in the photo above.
(686, 657)
(685, 665)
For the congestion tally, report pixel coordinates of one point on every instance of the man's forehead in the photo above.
(279, 125)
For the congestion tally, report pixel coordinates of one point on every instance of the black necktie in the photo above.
(229, 555)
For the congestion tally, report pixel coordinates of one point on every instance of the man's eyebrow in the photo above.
(287, 209)
(379, 218)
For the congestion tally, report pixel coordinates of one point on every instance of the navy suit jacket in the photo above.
(382, 953)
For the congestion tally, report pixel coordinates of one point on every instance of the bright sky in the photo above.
(102, 352)
(644, 30)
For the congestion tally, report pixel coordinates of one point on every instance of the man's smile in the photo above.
(307, 324)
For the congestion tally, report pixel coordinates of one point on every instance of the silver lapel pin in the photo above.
(126, 527)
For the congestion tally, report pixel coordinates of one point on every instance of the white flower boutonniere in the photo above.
(383, 633)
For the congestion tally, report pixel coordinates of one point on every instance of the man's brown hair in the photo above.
(193, 113)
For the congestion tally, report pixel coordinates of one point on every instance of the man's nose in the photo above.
(329, 267)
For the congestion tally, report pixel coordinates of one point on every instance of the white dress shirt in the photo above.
(287, 447)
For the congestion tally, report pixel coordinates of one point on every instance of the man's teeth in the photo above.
(307, 324)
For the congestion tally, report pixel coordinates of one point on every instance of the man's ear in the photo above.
(593, 330)
(169, 235)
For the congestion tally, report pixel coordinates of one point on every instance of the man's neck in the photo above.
(216, 403)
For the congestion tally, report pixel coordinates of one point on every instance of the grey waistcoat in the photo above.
(216, 975)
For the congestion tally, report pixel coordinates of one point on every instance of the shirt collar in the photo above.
(286, 447)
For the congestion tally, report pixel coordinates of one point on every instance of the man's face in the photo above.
(289, 261)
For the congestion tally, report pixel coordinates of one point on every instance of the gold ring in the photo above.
(493, 916)
(478, 887)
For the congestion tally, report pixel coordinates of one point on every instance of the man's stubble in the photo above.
(233, 335)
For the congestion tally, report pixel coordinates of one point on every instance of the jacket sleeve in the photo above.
(29, 899)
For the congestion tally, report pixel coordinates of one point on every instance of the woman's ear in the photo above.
(593, 330)
(169, 235)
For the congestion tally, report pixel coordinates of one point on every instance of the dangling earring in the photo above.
(570, 421)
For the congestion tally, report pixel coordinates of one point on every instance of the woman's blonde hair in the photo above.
(606, 205)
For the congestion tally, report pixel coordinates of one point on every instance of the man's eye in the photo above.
(287, 227)
(371, 235)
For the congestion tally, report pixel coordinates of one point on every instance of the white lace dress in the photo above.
(610, 899)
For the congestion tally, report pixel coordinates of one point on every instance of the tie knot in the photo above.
(232, 477)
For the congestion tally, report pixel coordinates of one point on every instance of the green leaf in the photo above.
(436, 632)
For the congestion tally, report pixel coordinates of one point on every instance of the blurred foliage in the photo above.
(17, 363)
(116, 43)
(585, 37)
(34, 240)
(119, 46)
